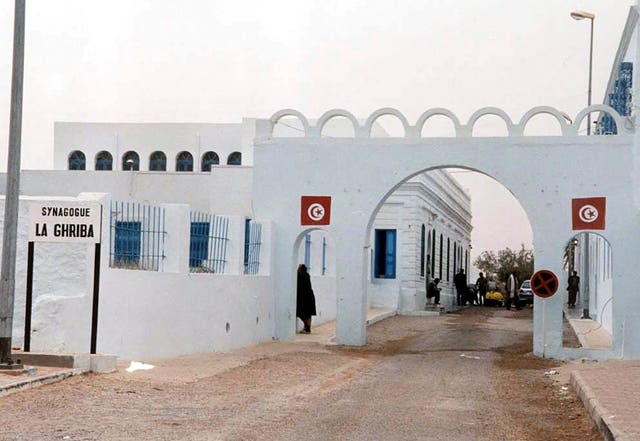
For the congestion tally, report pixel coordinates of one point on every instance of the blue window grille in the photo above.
(385, 254)
(422, 245)
(137, 235)
(252, 246)
(234, 158)
(77, 161)
(131, 161)
(184, 162)
(158, 161)
(324, 256)
(209, 159)
(208, 244)
(620, 99)
(104, 161)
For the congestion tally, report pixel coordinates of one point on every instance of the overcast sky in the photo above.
(217, 61)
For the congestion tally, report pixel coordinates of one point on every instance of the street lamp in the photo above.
(581, 15)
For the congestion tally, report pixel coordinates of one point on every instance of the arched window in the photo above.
(104, 161)
(184, 162)
(157, 162)
(131, 161)
(209, 159)
(235, 158)
(441, 256)
(422, 243)
(433, 252)
(77, 161)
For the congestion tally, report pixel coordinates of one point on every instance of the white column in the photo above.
(177, 239)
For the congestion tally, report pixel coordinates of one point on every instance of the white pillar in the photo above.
(177, 239)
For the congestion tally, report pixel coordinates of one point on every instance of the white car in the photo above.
(525, 293)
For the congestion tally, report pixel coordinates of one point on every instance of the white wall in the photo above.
(146, 315)
(226, 190)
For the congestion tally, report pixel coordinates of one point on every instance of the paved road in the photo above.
(463, 376)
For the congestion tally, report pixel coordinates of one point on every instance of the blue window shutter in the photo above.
(307, 251)
(127, 242)
(247, 238)
(199, 244)
(390, 256)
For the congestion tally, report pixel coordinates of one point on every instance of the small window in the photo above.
(77, 161)
(385, 254)
(131, 161)
(104, 161)
(235, 158)
(184, 162)
(209, 159)
(158, 161)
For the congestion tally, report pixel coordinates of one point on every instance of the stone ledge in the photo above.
(98, 363)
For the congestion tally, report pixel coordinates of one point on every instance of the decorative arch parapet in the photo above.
(568, 126)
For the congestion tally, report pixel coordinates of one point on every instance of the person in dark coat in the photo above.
(460, 282)
(482, 284)
(433, 291)
(306, 301)
(573, 288)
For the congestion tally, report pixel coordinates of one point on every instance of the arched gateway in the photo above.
(544, 173)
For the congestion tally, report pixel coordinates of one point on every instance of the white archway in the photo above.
(359, 172)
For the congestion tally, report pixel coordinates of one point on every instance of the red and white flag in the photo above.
(315, 210)
(589, 213)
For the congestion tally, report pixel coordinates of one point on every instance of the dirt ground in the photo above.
(463, 376)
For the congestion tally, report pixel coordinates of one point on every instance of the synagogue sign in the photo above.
(65, 222)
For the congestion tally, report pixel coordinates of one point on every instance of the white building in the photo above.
(164, 293)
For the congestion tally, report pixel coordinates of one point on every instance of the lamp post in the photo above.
(581, 15)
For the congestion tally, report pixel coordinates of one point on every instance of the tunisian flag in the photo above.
(589, 213)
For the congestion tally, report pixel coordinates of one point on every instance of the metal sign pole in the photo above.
(96, 299)
(29, 300)
(7, 287)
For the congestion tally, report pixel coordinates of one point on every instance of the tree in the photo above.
(504, 261)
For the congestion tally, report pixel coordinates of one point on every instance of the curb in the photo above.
(378, 318)
(596, 411)
(30, 383)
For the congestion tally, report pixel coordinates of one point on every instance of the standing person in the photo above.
(482, 284)
(306, 301)
(511, 291)
(460, 281)
(573, 288)
(433, 291)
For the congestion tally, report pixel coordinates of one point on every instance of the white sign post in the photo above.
(64, 222)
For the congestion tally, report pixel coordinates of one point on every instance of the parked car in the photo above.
(525, 293)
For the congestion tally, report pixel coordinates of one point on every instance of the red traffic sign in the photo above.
(588, 213)
(315, 210)
(544, 283)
